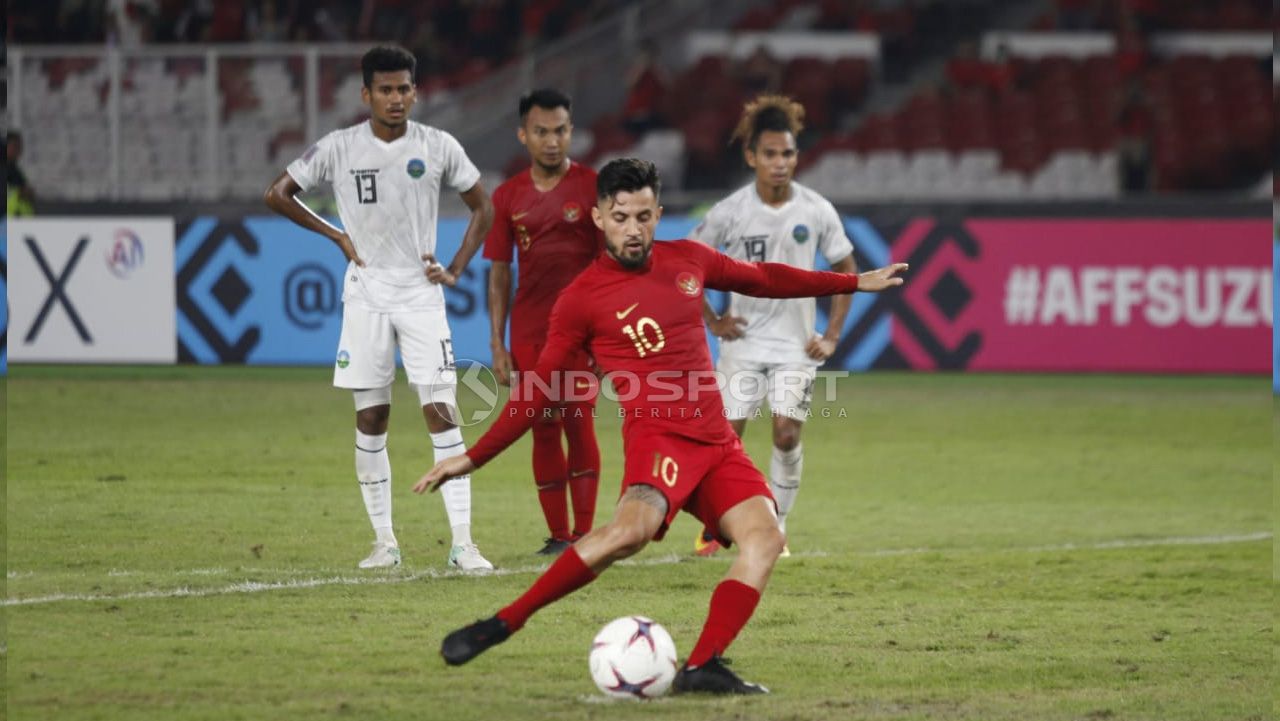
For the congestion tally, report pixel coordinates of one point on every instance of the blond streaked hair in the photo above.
(777, 113)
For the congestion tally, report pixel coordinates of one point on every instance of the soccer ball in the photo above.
(633, 657)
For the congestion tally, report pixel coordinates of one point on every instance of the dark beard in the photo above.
(628, 263)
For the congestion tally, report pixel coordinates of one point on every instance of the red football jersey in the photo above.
(554, 238)
(644, 328)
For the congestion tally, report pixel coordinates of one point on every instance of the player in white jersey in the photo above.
(387, 175)
(769, 347)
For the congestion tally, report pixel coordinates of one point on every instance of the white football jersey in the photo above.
(745, 227)
(388, 197)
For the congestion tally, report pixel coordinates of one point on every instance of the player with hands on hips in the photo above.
(387, 174)
(769, 348)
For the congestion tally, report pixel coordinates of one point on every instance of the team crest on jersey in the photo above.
(416, 168)
(523, 234)
(572, 211)
(688, 284)
(800, 233)
(344, 359)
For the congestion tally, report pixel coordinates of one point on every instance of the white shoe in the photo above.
(467, 558)
(786, 551)
(384, 556)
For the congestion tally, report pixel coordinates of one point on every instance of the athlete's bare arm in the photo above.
(499, 306)
(282, 197)
(822, 347)
(481, 219)
(724, 327)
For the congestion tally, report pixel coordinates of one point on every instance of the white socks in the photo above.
(373, 471)
(457, 492)
(784, 480)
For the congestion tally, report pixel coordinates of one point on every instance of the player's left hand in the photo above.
(437, 273)
(874, 281)
(442, 472)
(820, 348)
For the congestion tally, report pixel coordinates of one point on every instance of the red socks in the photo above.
(582, 490)
(583, 464)
(549, 471)
(565, 576)
(732, 604)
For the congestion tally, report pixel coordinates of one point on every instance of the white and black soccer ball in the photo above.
(633, 657)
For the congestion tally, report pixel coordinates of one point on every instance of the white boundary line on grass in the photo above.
(375, 579)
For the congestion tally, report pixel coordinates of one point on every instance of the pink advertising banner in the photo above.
(1184, 295)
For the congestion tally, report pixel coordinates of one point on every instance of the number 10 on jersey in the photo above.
(665, 469)
(647, 336)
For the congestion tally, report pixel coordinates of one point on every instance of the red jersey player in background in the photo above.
(639, 310)
(543, 216)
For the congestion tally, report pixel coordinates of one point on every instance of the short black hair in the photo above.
(386, 59)
(545, 98)
(627, 175)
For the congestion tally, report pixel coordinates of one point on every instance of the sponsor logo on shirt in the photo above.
(416, 168)
(572, 211)
(688, 284)
(800, 233)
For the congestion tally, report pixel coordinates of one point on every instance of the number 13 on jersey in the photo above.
(366, 188)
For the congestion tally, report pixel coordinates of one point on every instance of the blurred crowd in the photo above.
(445, 35)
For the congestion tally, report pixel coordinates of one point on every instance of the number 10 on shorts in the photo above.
(665, 469)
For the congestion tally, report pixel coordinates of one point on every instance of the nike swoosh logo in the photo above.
(623, 313)
(518, 216)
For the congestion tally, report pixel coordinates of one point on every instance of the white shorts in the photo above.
(788, 386)
(367, 350)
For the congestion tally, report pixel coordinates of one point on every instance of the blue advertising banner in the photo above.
(260, 290)
(264, 291)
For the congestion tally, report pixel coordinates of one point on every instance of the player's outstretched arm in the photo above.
(890, 276)
(779, 280)
(282, 197)
(443, 471)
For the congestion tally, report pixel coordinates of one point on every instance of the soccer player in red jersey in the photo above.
(639, 309)
(542, 217)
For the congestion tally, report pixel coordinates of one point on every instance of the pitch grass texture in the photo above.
(182, 545)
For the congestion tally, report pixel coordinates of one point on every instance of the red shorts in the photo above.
(705, 480)
(524, 357)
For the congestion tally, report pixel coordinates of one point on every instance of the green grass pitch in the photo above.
(181, 544)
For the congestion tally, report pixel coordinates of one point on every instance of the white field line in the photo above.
(375, 579)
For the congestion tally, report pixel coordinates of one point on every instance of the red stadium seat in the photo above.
(760, 18)
(850, 79)
(877, 133)
(808, 81)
